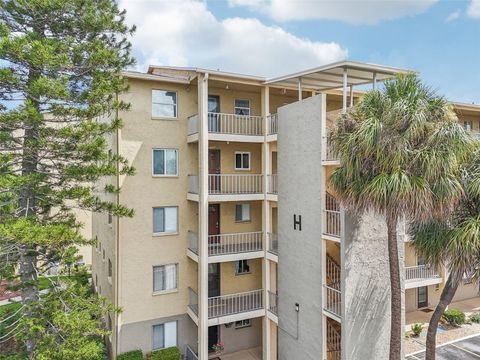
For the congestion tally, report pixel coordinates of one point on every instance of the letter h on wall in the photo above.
(297, 222)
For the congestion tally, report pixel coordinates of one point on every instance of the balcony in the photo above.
(272, 184)
(272, 249)
(190, 353)
(272, 302)
(334, 341)
(332, 226)
(272, 127)
(228, 247)
(421, 275)
(332, 302)
(229, 308)
(228, 127)
(331, 156)
(228, 187)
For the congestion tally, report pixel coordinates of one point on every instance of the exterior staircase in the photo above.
(334, 340)
(333, 273)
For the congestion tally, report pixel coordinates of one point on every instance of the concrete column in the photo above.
(374, 82)
(266, 169)
(323, 189)
(300, 89)
(351, 95)
(203, 217)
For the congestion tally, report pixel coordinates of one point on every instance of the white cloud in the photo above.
(186, 33)
(453, 16)
(474, 9)
(351, 11)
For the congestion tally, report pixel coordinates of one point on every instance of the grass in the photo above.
(9, 307)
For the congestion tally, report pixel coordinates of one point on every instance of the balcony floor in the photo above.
(249, 354)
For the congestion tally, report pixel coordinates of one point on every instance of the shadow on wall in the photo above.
(367, 288)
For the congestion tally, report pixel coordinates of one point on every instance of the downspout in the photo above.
(117, 238)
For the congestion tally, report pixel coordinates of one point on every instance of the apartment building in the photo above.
(237, 237)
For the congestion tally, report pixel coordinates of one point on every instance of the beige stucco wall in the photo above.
(227, 218)
(230, 283)
(227, 156)
(242, 338)
(273, 276)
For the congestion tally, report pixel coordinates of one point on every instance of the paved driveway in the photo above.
(468, 349)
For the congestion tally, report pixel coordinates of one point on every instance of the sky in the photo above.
(438, 38)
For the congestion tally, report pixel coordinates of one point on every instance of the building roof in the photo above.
(330, 76)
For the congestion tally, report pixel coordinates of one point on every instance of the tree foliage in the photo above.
(60, 64)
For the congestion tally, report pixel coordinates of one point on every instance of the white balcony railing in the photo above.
(334, 343)
(272, 123)
(190, 354)
(333, 273)
(193, 184)
(193, 300)
(332, 216)
(272, 182)
(332, 300)
(272, 243)
(330, 152)
(192, 125)
(421, 272)
(226, 244)
(272, 302)
(235, 303)
(227, 184)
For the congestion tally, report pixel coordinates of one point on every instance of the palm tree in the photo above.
(453, 243)
(400, 149)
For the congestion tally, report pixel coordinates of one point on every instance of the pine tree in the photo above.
(60, 64)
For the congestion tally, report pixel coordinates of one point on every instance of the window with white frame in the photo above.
(242, 267)
(242, 212)
(164, 278)
(242, 107)
(164, 104)
(242, 160)
(164, 335)
(242, 324)
(165, 220)
(164, 162)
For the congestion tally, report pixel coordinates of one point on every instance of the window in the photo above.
(164, 335)
(164, 278)
(164, 104)
(165, 220)
(242, 107)
(110, 268)
(165, 162)
(467, 125)
(242, 160)
(242, 267)
(242, 324)
(242, 212)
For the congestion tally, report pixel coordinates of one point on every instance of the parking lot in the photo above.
(467, 349)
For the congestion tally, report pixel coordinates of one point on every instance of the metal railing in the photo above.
(272, 302)
(190, 354)
(192, 125)
(272, 123)
(272, 243)
(193, 300)
(193, 241)
(334, 342)
(330, 153)
(332, 216)
(193, 184)
(421, 272)
(332, 300)
(235, 303)
(333, 273)
(221, 123)
(272, 182)
(224, 244)
(235, 184)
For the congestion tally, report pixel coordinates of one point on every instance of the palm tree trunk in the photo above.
(445, 299)
(395, 290)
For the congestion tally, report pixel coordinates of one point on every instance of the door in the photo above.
(422, 297)
(214, 178)
(213, 113)
(213, 228)
(213, 280)
(213, 332)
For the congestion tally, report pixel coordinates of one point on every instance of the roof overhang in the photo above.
(332, 76)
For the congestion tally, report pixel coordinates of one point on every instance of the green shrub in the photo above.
(171, 353)
(475, 318)
(131, 355)
(416, 329)
(454, 317)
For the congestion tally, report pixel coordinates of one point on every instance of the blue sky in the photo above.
(438, 38)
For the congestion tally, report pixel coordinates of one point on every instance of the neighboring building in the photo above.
(201, 261)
